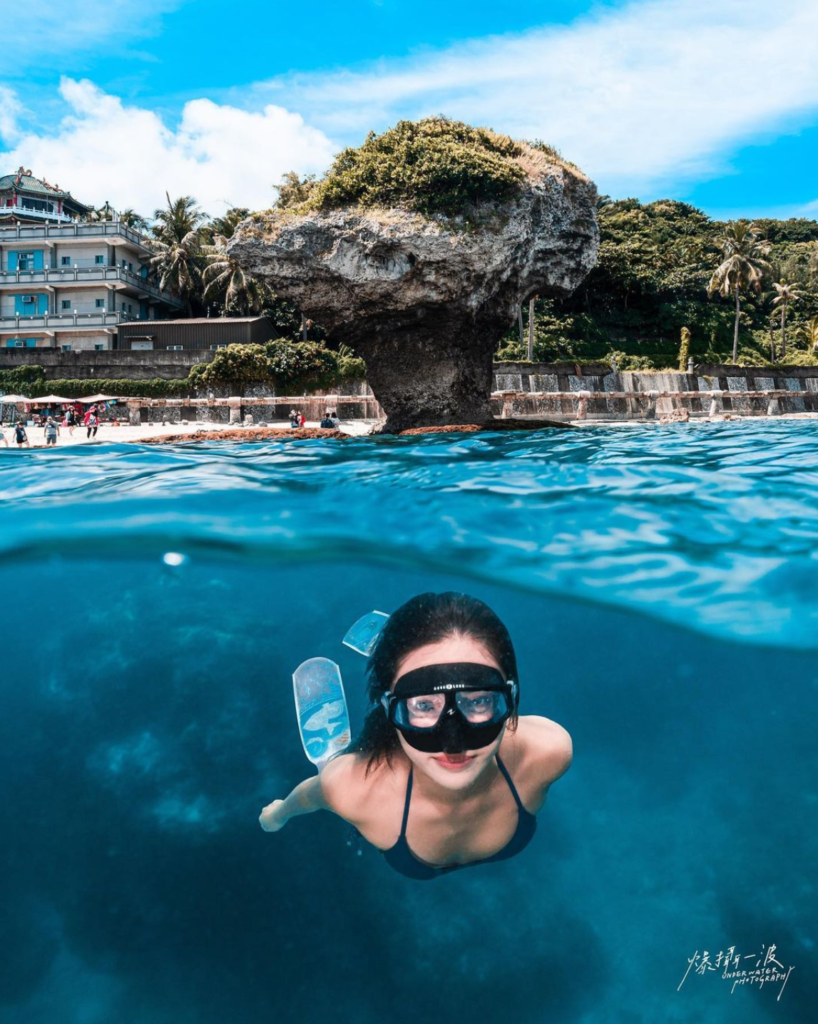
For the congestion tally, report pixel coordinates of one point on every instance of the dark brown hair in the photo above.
(425, 619)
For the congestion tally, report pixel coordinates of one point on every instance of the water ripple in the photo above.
(712, 526)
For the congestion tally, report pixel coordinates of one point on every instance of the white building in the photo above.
(68, 283)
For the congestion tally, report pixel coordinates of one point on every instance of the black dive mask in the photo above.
(450, 708)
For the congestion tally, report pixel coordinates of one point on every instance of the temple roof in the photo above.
(24, 181)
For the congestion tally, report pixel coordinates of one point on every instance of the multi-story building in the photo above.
(67, 282)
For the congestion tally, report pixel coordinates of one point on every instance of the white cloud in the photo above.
(105, 150)
(640, 96)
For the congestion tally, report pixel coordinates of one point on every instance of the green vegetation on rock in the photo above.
(432, 166)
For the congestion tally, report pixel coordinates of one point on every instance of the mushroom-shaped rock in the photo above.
(416, 250)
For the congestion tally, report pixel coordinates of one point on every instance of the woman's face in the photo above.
(453, 771)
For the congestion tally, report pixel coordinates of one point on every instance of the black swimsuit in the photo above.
(401, 858)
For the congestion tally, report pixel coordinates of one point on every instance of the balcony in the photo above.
(51, 322)
(22, 211)
(117, 277)
(110, 230)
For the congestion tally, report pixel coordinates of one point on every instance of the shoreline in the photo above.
(148, 433)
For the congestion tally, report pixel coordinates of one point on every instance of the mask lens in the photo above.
(420, 712)
(482, 707)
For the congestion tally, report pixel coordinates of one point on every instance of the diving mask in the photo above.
(452, 707)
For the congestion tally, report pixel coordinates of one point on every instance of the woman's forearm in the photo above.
(305, 798)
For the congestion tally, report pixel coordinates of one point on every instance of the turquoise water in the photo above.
(660, 586)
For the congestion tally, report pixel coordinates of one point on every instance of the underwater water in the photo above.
(660, 588)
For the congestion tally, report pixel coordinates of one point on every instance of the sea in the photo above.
(660, 585)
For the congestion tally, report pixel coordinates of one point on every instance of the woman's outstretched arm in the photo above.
(307, 796)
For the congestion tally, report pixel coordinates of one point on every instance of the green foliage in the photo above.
(655, 263)
(283, 364)
(77, 388)
(432, 166)
(23, 380)
(236, 364)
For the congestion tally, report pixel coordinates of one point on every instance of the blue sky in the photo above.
(715, 104)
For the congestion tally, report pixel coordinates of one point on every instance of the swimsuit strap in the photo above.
(511, 786)
(502, 768)
(406, 805)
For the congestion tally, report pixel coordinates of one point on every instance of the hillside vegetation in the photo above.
(655, 263)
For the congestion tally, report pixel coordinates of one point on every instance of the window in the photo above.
(65, 261)
(175, 348)
(99, 348)
(65, 304)
(25, 260)
(214, 347)
(65, 348)
(130, 308)
(99, 303)
(99, 260)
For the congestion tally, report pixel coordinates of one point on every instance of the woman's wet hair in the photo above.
(425, 619)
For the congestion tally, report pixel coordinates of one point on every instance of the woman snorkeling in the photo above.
(428, 781)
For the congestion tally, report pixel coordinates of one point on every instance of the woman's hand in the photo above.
(270, 819)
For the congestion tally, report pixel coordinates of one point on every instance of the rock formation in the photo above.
(425, 297)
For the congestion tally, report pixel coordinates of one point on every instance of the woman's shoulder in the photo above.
(540, 750)
(350, 791)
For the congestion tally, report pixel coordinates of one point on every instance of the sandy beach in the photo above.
(108, 434)
(176, 432)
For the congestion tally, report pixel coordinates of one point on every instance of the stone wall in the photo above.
(116, 365)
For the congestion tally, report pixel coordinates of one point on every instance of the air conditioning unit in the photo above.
(28, 298)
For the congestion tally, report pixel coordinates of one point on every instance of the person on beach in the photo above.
(334, 418)
(51, 431)
(326, 421)
(91, 422)
(70, 420)
(293, 419)
(425, 782)
(20, 435)
(302, 419)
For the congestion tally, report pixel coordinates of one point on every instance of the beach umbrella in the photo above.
(97, 398)
(13, 399)
(50, 400)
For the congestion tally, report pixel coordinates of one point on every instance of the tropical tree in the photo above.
(809, 334)
(784, 295)
(226, 225)
(178, 219)
(226, 281)
(131, 219)
(178, 265)
(742, 268)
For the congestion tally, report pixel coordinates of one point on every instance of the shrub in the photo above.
(236, 364)
(432, 166)
(22, 379)
(301, 365)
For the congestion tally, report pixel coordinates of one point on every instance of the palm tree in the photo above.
(809, 334)
(227, 281)
(784, 294)
(743, 266)
(177, 264)
(226, 225)
(131, 219)
(181, 216)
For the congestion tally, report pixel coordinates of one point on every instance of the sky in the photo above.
(715, 104)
